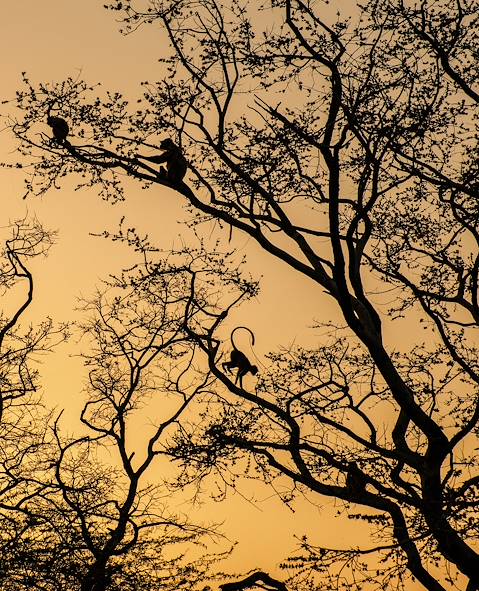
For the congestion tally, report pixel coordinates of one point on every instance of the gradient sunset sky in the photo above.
(52, 40)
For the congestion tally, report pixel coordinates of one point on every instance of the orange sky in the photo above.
(59, 38)
(54, 39)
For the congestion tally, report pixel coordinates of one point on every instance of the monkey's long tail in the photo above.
(245, 328)
(252, 343)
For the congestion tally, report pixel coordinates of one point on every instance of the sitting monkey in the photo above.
(176, 164)
(59, 127)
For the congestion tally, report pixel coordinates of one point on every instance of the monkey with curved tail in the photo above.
(176, 164)
(239, 360)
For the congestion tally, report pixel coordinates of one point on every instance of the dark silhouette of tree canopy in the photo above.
(141, 364)
(71, 517)
(25, 436)
(348, 149)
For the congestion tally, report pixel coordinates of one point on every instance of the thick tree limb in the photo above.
(258, 578)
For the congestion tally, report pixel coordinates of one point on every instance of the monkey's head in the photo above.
(53, 121)
(167, 144)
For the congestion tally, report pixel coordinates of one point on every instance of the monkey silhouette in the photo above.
(60, 128)
(238, 359)
(176, 164)
(355, 481)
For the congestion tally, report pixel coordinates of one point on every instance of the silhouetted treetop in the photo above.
(346, 146)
